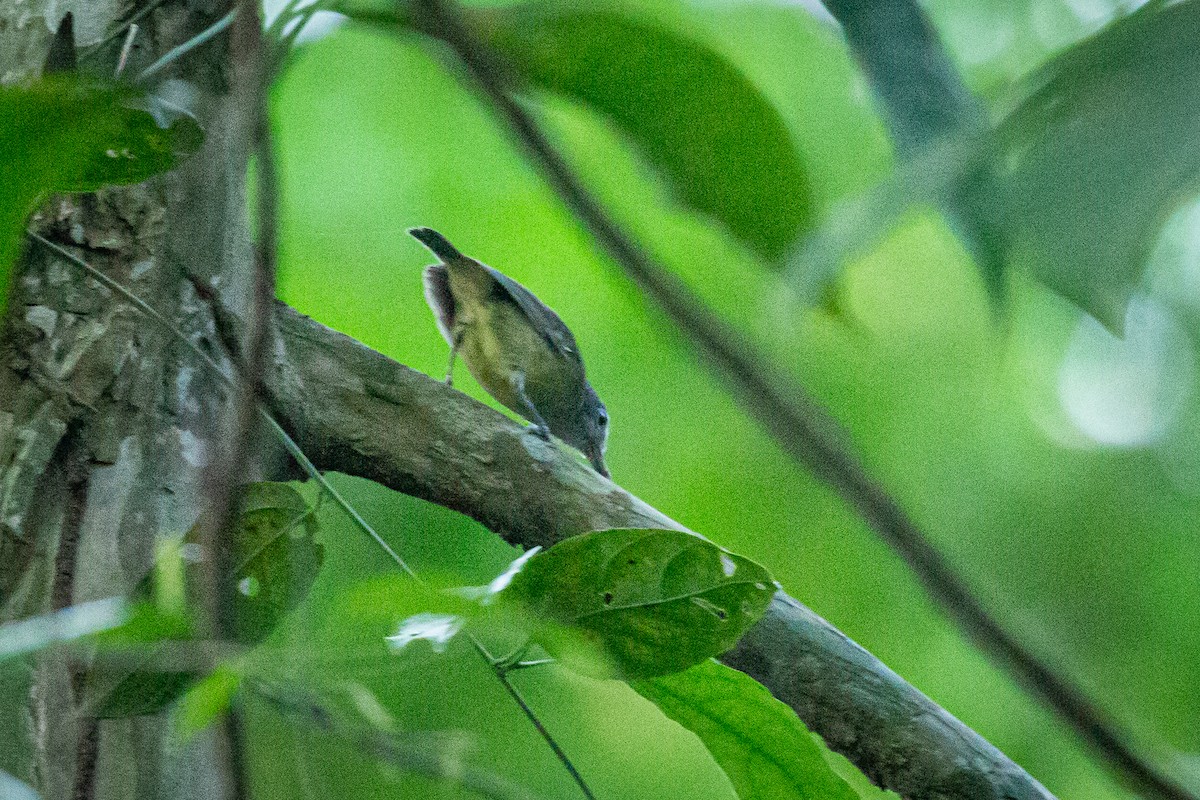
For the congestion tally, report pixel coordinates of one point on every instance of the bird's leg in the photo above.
(458, 337)
(538, 427)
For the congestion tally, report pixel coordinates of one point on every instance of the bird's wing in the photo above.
(544, 320)
(439, 298)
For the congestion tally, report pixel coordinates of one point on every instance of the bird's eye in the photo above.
(602, 419)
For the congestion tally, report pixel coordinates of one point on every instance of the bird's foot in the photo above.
(540, 431)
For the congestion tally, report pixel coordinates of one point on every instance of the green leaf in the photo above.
(723, 147)
(1098, 155)
(205, 701)
(135, 693)
(146, 623)
(69, 133)
(275, 560)
(656, 601)
(761, 744)
(385, 12)
(276, 555)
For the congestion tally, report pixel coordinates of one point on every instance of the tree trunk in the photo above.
(106, 423)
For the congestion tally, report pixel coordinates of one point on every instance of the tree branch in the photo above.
(922, 93)
(355, 411)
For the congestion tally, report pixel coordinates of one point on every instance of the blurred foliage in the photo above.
(763, 747)
(67, 133)
(1114, 116)
(740, 166)
(1053, 461)
(996, 42)
(274, 558)
(205, 701)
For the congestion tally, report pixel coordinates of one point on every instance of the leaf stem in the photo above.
(502, 676)
(537, 662)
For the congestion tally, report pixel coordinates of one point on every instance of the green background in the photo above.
(1087, 552)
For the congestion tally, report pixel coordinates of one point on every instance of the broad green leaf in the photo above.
(723, 148)
(275, 560)
(1098, 155)
(68, 133)
(205, 701)
(656, 601)
(761, 744)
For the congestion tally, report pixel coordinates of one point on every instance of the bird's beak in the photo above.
(597, 459)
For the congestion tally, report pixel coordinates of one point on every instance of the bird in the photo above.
(515, 346)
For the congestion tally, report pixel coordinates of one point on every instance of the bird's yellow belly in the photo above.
(496, 343)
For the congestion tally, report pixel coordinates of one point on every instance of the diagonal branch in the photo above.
(801, 427)
(355, 411)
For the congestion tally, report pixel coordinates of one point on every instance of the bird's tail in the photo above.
(438, 244)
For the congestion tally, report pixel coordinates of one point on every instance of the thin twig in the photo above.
(502, 675)
(175, 53)
(122, 28)
(62, 594)
(898, 49)
(252, 70)
(929, 110)
(248, 102)
(126, 48)
(801, 427)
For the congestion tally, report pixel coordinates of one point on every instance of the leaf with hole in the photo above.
(759, 742)
(655, 601)
(723, 148)
(275, 555)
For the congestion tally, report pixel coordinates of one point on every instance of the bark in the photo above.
(106, 422)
